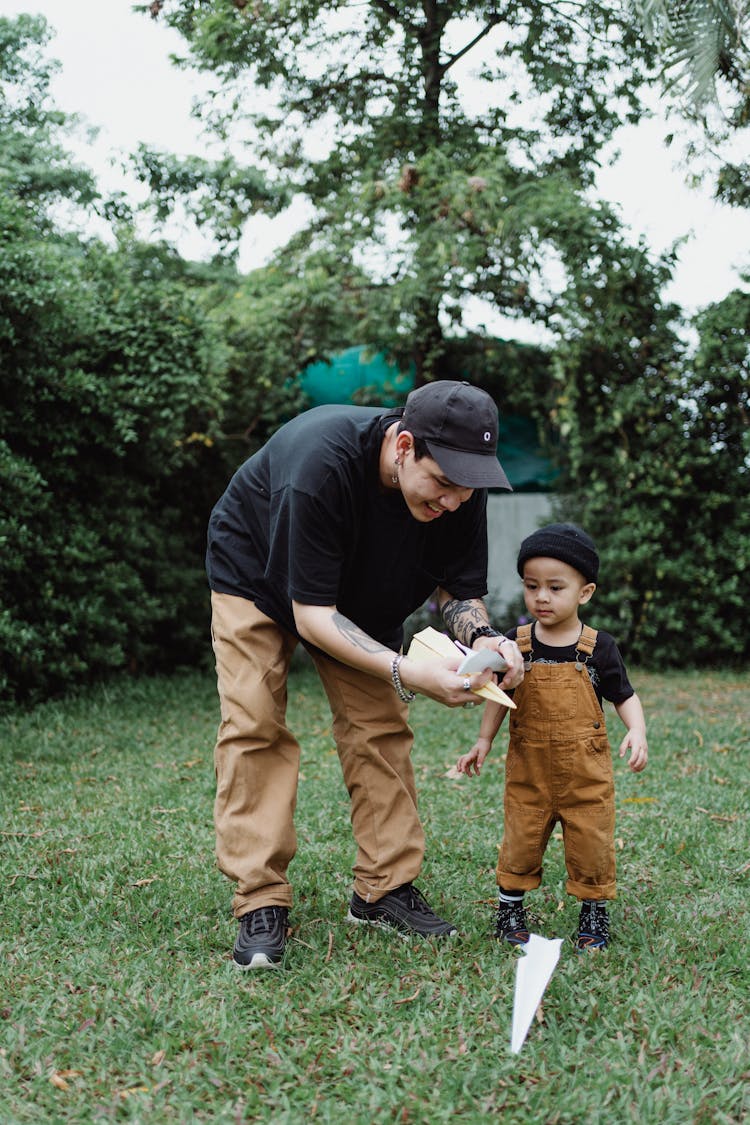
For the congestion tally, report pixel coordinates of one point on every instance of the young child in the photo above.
(559, 765)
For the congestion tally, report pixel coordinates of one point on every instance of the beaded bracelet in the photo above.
(404, 695)
(486, 631)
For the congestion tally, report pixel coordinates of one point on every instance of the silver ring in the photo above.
(467, 684)
(468, 706)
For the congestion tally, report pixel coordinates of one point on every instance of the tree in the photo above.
(704, 47)
(656, 464)
(108, 397)
(438, 185)
(703, 44)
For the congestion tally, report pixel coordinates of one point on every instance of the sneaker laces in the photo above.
(263, 919)
(513, 916)
(594, 919)
(414, 899)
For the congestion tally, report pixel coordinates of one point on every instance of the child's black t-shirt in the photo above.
(606, 668)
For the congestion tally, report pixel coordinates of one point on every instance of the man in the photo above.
(332, 534)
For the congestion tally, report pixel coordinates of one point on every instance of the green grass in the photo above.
(118, 1001)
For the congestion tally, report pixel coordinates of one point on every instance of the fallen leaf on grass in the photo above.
(408, 999)
(453, 774)
(128, 1093)
(144, 882)
(58, 1078)
(158, 1058)
(730, 819)
(638, 800)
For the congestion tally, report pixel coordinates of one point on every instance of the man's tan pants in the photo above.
(257, 763)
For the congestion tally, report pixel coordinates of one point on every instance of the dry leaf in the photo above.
(158, 1058)
(408, 999)
(57, 1080)
(453, 774)
(132, 1090)
(144, 882)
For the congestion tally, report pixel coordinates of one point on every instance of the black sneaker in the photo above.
(593, 926)
(262, 937)
(511, 924)
(405, 910)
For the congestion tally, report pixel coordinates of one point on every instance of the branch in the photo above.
(392, 11)
(465, 50)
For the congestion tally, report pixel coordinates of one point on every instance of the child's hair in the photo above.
(563, 541)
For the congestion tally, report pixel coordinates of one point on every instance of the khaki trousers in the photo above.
(558, 768)
(257, 763)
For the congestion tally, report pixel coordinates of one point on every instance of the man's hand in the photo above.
(510, 653)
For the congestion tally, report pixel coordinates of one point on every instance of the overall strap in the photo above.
(587, 640)
(523, 638)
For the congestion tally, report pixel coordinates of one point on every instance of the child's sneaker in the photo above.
(593, 926)
(511, 924)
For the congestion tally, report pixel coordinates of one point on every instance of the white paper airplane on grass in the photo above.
(533, 972)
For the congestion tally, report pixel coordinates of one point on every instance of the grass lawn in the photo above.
(118, 1001)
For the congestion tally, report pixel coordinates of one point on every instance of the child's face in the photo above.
(553, 590)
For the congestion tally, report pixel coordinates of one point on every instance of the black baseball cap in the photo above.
(459, 425)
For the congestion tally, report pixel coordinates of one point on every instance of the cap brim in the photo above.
(469, 470)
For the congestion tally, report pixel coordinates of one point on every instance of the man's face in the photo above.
(427, 491)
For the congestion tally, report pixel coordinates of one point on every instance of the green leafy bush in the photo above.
(655, 466)
(106, 461)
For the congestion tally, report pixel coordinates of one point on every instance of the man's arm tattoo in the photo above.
(357, 636)
(462, 618)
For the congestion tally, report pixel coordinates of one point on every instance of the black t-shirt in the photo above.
(306, 519)
(605, 665)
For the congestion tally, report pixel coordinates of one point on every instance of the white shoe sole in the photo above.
(258, 961)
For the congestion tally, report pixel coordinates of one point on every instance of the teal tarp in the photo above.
(352, 371)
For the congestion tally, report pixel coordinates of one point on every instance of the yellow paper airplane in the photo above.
(431, 645)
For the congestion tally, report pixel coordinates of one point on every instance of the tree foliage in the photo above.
(218, 194)
(438, 184)
(656, 464)
(705, 53)
(108, 397)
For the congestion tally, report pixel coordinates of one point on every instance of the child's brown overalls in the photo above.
(559, 768)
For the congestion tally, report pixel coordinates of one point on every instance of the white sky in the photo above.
(117, 75)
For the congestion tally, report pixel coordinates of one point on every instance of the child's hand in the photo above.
(635, 741)
(472, 762)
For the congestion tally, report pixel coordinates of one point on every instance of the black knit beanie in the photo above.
(563, 541)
